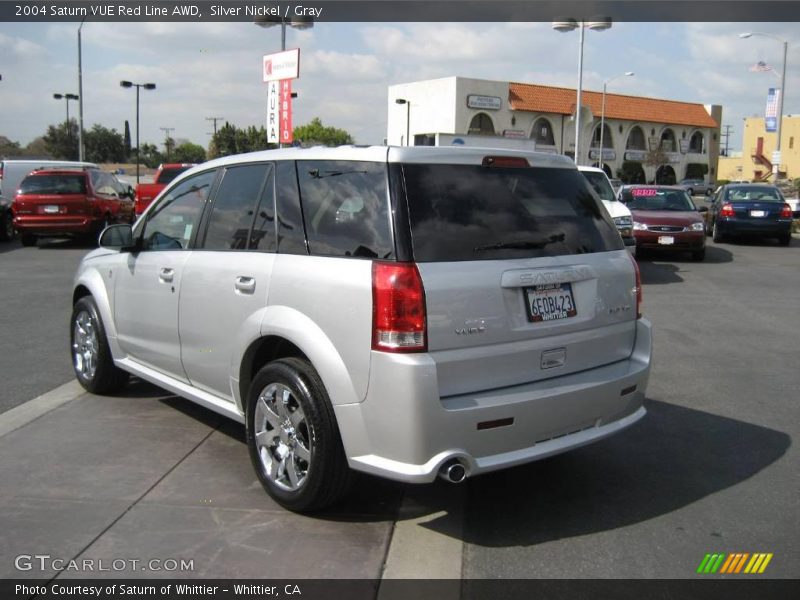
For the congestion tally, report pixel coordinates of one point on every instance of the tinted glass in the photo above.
(65, 183)
(167, 175)
(262, 236)
(657, 199)
(234, 207)
(105, 184)
(600, 185)
(466, 212)
(171, 223)
(345, 208)
(754, 193)
(291, 236)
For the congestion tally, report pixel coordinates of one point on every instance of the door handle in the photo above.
(166, 275)
(245, 285)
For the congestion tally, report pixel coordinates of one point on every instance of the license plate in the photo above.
(757, 213)
(666, 240)
(51, 210)
(550, 302)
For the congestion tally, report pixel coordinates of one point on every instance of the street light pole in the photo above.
(603, 112)
(776, 168)
(81, 151)
(564, 26)
(67, 97)
(147, 86)
(408, 117)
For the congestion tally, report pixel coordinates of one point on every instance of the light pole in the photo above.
(81, 151)
(408, 117)
(603, 110)
(303, 22)
(776, 168)
(67, 98)
(564, 26)
(147, 86)
(214, 119)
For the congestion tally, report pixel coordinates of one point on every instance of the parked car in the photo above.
(7, 231)
(619, 213)
(13, 171)
(406, 312)
(146, 192)
(69, 202)
(750, 209)
(665, 218)
(697, 187)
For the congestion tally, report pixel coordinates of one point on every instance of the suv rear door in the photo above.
(522, 272)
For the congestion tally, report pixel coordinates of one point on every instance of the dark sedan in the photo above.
(665, 218)
(750, 209)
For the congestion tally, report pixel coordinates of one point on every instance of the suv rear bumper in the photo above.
(404, 431)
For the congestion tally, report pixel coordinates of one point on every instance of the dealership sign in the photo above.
(273, 112)
(484, 102)
(281, 65)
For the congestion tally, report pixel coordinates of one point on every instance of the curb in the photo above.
(21, 415)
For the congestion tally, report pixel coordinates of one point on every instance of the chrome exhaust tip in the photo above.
(453, 471)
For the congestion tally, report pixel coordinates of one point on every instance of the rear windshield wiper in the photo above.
(522, 244)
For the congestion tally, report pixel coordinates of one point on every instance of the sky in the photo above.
(214, 69)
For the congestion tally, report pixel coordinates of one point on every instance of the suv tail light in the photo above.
(398, 308)
(726, 211)
(637, 289)
(786, 212)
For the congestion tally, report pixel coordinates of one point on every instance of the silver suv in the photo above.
(404, 312)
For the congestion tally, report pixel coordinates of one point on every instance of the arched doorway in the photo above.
(697, 143)
(665, 175)
(481, 124)
(668, 141)
(635, 139)
(542, 132)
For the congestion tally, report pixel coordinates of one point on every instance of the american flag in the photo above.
(760, 67)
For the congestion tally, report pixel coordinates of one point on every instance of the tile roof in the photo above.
(548, 99)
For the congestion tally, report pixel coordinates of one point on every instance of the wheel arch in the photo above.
(90, 283)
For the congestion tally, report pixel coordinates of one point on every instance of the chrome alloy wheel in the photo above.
(85, 350)
(282, 437)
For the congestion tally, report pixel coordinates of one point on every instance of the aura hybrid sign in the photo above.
(278, 70)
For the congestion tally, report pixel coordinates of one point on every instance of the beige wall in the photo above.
(744, 167)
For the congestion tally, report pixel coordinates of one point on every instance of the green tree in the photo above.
(37, 148)
(104, 145)
(62, 141)
(315, 133)
(230, 139)
(127, 138)
(9, 148)
(189, 153)
(150, 156)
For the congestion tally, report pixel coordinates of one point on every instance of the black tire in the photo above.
(88, 343)
(716, 234)
(785, 240)
(308, 429)
(7, 231)
(699, 255)
(27, 239)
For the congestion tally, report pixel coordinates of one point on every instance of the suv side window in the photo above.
(345, 208)
(171, 223)
(236, 201)
(291, 236)
(104, 184)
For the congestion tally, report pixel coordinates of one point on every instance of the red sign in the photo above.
(644, 192)
(286, 111)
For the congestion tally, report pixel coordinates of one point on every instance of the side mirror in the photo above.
(131, 192)
(117, 237)
(702, 209)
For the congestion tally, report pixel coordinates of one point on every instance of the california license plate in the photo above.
(550, 301)
(51, 210)
(757, 213)
(666, 240)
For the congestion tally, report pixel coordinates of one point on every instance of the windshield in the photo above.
(600, 185)
(471, 212)
(753, 194)
(63, 183)
(657, 199)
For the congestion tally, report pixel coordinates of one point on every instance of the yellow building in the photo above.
(755, 161)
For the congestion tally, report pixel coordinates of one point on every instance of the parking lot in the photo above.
(144, 475)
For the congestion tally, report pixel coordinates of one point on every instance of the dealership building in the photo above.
(641, 136)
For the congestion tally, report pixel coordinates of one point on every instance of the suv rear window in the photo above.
(167, 175)
(66, 183)
(469, 212)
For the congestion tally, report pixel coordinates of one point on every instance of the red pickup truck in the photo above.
(146, 192)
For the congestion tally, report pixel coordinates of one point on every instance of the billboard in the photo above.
(273, 112)
(281, 65)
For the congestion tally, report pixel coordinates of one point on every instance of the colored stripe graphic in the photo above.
(735, 562)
